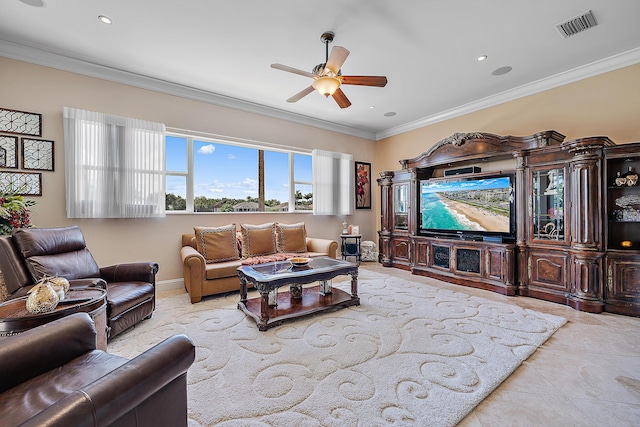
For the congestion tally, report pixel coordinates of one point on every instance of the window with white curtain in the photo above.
(333, 176)
(114, 166)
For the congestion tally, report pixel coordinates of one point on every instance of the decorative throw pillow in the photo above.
(217, 244)
(258, 240)
(291, 238)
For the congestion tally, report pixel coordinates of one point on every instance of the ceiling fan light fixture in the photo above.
(326, 85)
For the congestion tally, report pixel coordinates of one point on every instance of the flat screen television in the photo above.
(468, 206)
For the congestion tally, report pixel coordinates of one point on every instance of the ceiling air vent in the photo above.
(577, 25)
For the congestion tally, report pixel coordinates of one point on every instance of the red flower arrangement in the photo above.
(14, 213)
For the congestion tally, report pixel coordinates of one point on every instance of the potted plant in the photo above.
(14, 213)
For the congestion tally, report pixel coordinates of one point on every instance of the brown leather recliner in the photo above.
(32, 253)
(53, 375)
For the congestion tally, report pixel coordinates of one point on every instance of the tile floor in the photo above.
(586, 374)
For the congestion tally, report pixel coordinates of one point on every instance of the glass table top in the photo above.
(285, 268)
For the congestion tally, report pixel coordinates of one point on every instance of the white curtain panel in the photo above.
(114, 166)
(333, 177)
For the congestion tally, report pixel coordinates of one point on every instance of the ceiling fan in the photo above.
(327, 77)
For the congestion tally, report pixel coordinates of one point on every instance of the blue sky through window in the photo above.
(222, 170)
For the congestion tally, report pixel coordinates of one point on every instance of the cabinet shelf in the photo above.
(632, 188)
(619, 250)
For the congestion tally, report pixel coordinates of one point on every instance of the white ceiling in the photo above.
(221, 52)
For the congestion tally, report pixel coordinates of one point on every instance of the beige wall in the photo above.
(44, 90)
(607, 105)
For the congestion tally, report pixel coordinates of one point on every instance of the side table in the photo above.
(14, 317)
(350, 246)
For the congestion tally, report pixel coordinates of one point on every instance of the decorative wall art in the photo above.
(363, 185)
(37, 154)
(10, 146)
(21, 183)
(21, 122)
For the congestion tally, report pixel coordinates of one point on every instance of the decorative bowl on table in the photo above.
(299, 261)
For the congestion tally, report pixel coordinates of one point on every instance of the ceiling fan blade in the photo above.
(336, 59)
(298, 96)
(292, 70)
(341, 98)
(379, 81)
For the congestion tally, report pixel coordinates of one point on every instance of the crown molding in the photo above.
(63, 62)
(612, 63)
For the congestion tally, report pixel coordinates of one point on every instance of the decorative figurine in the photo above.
(42, 298)
(631, 177)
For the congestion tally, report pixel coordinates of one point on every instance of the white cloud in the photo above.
(207, 149)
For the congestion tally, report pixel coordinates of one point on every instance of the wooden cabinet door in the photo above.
(622, 292)
(421, 253)
(548, 217)
(495, 264)
(623, 281)
(549, 269)
(400, 249)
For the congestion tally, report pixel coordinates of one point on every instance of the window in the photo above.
(208, 175)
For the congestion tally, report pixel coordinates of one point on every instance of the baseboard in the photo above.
(168, 285)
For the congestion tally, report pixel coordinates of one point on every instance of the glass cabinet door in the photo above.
(401, 206)
(548, 204)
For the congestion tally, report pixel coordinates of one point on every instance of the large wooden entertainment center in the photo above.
(576, 233)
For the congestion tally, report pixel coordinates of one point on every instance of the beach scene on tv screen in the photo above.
(470, 205)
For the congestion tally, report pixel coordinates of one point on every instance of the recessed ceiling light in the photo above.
(34, 3)
(502, 70)
(105, 19)
(372, 107)
(390, 114)
(481, 58)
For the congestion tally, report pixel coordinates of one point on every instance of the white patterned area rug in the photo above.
(411, 354)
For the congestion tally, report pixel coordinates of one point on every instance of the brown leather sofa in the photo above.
(53, 375)
(31, 253)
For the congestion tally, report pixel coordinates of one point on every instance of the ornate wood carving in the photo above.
(586, 224)
(464, 147)
(586, 272)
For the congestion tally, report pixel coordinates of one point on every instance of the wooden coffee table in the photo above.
(14, 317)
(273, 275)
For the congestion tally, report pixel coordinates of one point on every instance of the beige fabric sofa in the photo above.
(202, 277)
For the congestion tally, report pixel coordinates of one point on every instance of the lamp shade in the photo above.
(326, 85)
